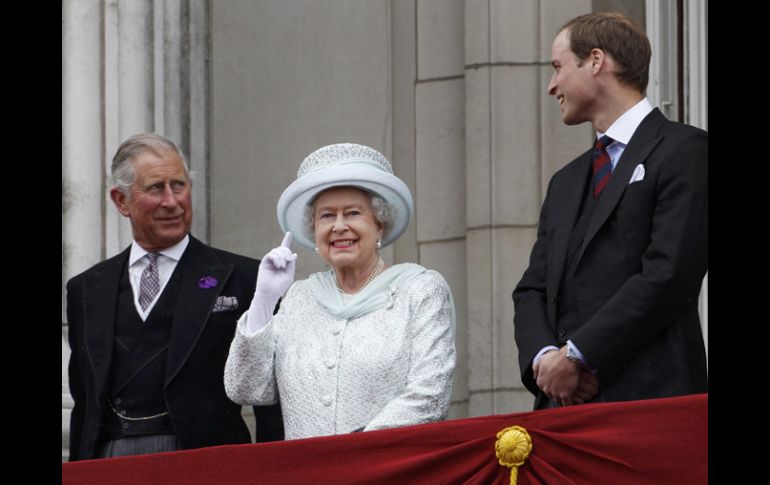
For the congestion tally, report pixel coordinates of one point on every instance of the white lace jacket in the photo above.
(391, 367)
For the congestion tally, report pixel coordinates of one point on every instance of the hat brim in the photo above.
(291, 205)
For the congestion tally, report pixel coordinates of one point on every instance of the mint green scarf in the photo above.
(372, 297)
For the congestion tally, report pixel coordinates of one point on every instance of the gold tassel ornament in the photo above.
(512, 448)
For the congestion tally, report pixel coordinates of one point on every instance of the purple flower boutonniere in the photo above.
(207, 282)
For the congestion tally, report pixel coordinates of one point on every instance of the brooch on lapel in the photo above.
(207, 282)
(391, 299)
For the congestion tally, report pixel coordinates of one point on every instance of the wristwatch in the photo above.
(573, 356)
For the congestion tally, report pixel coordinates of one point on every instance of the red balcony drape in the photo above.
(652, 441)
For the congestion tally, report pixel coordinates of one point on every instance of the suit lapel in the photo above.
(642, 143)
(567, 202)
(101, 297)
(194, 303)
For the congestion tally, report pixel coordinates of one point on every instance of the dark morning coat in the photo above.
(639, 268)
(194, 392)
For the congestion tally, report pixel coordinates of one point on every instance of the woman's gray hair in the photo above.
(381, 209)
(123, 174)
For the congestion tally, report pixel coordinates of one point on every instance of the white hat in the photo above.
(344, 165)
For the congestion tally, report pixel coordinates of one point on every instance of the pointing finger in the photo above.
(287, 240)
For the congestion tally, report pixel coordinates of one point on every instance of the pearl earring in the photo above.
(317, 251)
(379, 243)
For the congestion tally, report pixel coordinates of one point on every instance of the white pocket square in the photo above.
(225, 304)
(638, 174)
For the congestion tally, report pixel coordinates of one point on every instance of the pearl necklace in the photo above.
(372, 275)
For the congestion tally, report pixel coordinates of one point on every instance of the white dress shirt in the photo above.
(623, 129)
(167, 260)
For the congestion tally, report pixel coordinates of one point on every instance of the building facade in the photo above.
(453, 92)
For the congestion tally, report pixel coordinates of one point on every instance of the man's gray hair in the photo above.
(381, 209)
(123, 174)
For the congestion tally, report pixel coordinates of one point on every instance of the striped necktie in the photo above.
(601, 164)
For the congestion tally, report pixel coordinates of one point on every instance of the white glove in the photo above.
(275, 276)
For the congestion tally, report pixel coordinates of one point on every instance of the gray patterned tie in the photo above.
(149, 285)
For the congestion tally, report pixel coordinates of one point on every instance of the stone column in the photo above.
(515, 141)
(128, 66)
(440, 196)
(128, 93)
(82, 125)
(183, 78)
(82, 175)
(696, 107)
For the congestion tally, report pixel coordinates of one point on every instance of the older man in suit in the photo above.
(151, 327)
(607, 309)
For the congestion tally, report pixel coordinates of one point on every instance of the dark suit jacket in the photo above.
(639, 268)
(194, 392)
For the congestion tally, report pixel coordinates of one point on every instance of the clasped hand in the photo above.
(562, 381)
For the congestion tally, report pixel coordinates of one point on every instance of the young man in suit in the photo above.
(150, 328)
(607, 309)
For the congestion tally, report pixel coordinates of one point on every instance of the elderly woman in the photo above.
(362, 346)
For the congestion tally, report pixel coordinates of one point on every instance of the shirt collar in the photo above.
(174, 252)
(625, 126)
